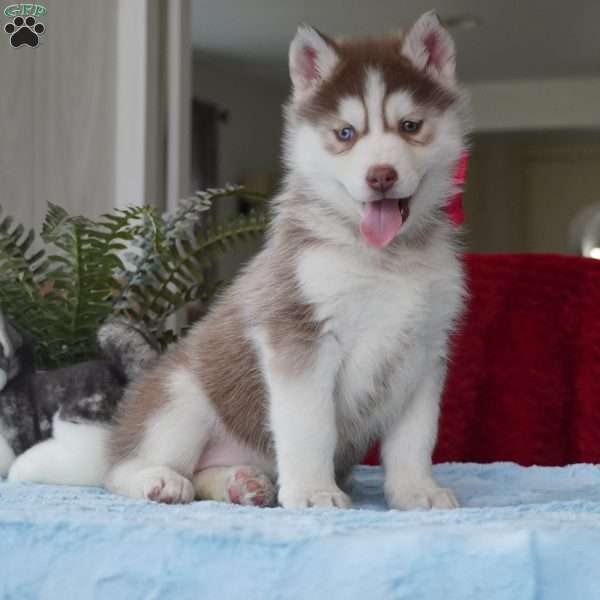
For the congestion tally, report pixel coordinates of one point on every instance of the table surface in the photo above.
(521, 533)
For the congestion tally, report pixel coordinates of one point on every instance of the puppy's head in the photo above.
(375, 127)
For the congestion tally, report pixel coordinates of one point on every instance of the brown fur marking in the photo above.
(348, 77)
(142, 400)
(227, 359)
(223, 358)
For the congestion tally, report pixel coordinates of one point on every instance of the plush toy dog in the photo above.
(53, 423)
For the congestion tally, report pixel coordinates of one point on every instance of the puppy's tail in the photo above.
(128, 346)
(76, 454)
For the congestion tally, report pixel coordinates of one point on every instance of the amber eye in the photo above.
(345, 134)
(410, 126)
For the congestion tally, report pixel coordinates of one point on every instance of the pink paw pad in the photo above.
(250, 487)
(154, 493)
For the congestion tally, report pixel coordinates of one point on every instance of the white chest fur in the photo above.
(390, 323)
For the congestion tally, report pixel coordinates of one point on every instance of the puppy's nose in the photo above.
(381, 177)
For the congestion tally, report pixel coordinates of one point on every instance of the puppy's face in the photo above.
(371, 122)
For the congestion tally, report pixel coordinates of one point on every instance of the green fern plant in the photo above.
(132, 262)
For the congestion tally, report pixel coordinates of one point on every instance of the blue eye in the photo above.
(345, 134)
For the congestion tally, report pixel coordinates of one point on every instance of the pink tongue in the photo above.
(381, 222)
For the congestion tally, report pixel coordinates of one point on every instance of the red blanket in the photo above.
(524, 377)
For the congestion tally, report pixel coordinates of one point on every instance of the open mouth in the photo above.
(382, 220)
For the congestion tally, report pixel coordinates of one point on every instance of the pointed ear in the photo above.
(431, 48)
(312, 59)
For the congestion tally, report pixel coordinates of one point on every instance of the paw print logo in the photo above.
(24, 31)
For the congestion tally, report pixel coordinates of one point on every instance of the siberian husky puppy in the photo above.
(336, 334)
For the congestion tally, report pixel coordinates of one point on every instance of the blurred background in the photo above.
(145, 101)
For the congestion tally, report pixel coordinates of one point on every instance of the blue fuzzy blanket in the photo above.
(524, 533)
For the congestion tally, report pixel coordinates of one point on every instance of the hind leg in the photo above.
(245, 485)
(173, 438)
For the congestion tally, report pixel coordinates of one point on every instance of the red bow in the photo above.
(454, 207)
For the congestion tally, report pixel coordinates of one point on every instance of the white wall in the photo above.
(57, 113)
(85, 117)
(526, 134)
(543, 105)
(250, 139)
(523, 190)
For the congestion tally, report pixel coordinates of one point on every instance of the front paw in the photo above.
(433, 496)
(161, 484)
(331, 497)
